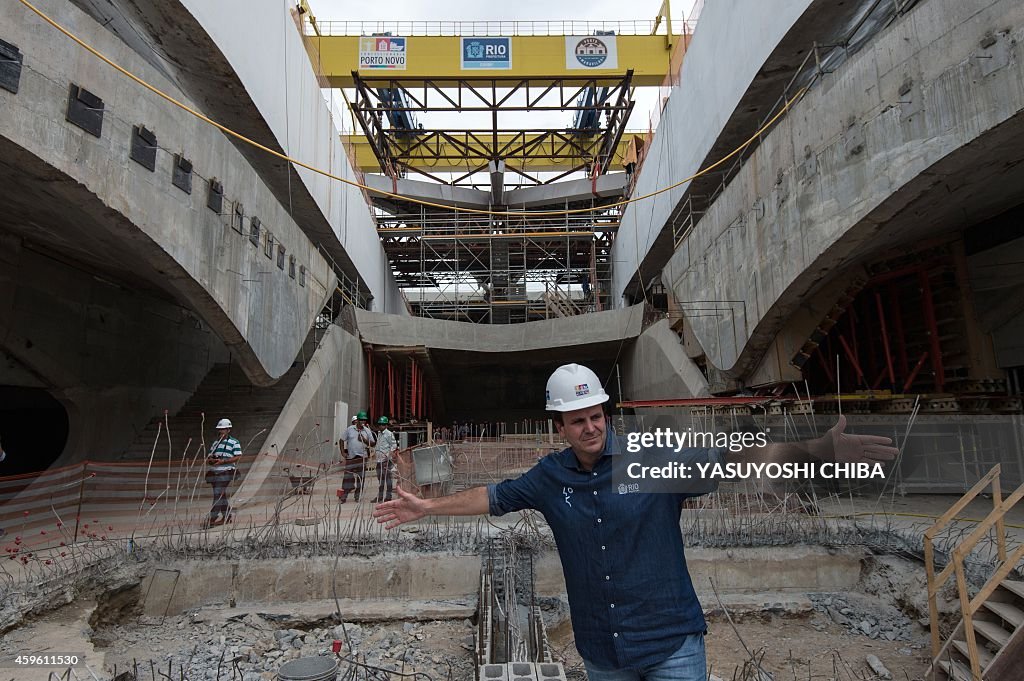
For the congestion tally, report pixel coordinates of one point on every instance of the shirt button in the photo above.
(595, 493)
(596, 474)
(602, 548)
(607, 577)
(613, 605)
(616, 634)
(598, 520)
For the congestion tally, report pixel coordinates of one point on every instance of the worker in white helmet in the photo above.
(224, 454)
(634, 612)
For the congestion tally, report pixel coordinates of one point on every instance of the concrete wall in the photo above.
(410, 576)
(136, 217)
(656, 367)
(721, 61)
(111, 356)
(439, 576)
(270, 60)
(919, 133)
(305, 430)
(997, 281)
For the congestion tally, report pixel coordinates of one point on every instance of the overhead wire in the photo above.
(394, 195)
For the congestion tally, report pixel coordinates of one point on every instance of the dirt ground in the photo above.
(809, 647)
(813, 647)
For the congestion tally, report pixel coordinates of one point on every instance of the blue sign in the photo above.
(487, 53)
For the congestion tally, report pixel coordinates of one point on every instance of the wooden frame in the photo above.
(968, 606)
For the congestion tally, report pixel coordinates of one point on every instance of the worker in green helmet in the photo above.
(385, 450)
(357, 441)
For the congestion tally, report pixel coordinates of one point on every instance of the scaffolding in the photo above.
(481, 269)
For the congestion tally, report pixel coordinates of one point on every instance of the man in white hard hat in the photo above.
(634, 612)
(224, 454)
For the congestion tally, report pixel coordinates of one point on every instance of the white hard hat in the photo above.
(354, 419)
(573, 386)
(223, 423)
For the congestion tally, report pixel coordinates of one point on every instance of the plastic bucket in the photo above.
(309, 669)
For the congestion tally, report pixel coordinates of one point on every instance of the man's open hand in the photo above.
(850, 448)
(406, 508)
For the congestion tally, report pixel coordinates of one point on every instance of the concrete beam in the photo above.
(548, 195)
(599, 327)
(422, 190)
(569, 191)
(497, 172)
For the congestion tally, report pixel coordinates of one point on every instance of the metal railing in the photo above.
(555, 27)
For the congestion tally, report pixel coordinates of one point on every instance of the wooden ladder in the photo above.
(988, 643)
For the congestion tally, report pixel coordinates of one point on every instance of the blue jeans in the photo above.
(686, 664)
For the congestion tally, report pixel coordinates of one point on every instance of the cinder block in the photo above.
(550, 671)
(493, 672)
(522, 671)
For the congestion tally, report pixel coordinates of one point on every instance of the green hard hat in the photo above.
(363, 416)
(383, 421)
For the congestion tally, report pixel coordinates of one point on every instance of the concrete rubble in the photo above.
(254, 648)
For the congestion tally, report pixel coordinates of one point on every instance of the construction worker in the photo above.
(385, 450)
(634, 612)
(358, 439)
(224, 454)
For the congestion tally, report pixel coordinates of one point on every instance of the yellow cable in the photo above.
(475, 211)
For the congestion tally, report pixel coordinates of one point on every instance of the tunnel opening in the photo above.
(33, 429)
(492, 394)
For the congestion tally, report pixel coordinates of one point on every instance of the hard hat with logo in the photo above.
(223, 423)
(383, 421)
(573, 386)
(363, 416)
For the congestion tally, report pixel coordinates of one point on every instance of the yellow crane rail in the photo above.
(439, 154)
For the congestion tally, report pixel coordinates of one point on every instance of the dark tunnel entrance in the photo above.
(33, 429)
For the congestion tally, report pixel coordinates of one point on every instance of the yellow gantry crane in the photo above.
(400, 69)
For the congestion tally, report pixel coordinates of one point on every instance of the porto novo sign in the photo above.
(382, 52)
(591, 52)
(486, 53)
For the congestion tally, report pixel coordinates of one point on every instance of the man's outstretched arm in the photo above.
(835, 445)
(409, 507)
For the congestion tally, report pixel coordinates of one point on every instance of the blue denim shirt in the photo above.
(630, 595)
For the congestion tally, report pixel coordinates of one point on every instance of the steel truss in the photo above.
(401, 150)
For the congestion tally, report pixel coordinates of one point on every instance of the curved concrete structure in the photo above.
(122, 218)
(245, 62)
(918, 134)
(726, 58)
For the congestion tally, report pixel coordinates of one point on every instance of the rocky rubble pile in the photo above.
(250, 648)
(865, 618)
